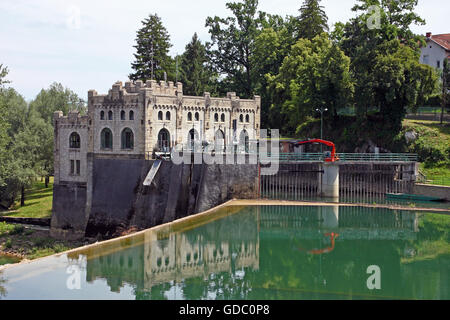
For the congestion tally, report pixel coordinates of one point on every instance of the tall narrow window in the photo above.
(107, 139)
(131, 115)
(160, 115)
(168, 115)
(102, 115)
(74, 140)
(189, 116)
(247, 118)
(241, 118)
(110, 115)
(222, 117)
(127, 139)
(122, 115)
(78, 167)
(72, 166)
(197, 116)
(216, 117)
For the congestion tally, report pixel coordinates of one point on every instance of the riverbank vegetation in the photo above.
(27, 243)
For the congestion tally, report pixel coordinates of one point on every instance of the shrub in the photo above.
(8, 244)
(18, 229)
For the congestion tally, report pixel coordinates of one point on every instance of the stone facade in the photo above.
(136, 119)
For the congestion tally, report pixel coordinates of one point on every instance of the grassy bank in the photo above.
(433, 147)
(38, 202)
(28, 243)
(31, 244)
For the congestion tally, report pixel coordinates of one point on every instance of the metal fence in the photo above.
(350, 157)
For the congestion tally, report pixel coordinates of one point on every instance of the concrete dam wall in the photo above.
(115, 198)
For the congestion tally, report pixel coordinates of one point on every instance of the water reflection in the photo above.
(276, 252)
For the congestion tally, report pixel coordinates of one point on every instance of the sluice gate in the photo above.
(354, 181)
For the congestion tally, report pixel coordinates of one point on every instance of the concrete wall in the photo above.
(442, 192)
(69, 211)
(116, 197)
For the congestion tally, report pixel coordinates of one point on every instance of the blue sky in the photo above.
(88, 44)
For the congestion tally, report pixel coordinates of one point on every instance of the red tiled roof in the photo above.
(442, 39)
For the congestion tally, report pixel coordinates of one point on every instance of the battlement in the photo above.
(118, 90)
(72, 118)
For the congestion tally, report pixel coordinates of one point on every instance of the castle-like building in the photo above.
(135, 120)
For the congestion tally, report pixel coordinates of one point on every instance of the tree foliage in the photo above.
(232, 46)
(195, 73)
(152, 51)
(312, 20)
(26, 132)
(57, 98)
(314, 75)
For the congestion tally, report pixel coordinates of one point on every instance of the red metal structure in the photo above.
(333, 157)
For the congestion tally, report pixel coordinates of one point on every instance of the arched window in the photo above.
(192, 138)
(131, 115)
(222, 117)
(164, 140)
(216, 117)
(247, 118)
(127, 138)
(168, 115)
(102, 115)
(160, 115)
(106, 139)
(110, 115)
(241, 118)
(189, 116)
(243, 140)
(197, 116)
(122, 115)
(219, 140)
(74, 140)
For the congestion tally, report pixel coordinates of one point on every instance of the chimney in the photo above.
(428, 35)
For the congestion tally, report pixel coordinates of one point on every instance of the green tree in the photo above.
(399, 81)
(233, 45)
(12, 171)
(56, 98)
(315, 74)
(384, 56)
(272, 45)
(396, 18)
(3, 72)
(152, 51)
(312, 20)
(195, 73)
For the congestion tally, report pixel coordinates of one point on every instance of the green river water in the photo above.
(255, 252)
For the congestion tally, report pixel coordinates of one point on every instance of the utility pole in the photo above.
(176, 74)
(152, 62)
(321, 110)
(445, 75)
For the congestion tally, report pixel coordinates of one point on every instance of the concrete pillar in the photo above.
(330, 181)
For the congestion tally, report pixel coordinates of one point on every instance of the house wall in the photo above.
(432, 53)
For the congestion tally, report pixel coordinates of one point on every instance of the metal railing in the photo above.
(349, 157)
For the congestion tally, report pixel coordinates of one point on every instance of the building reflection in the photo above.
(339, 244)
(222, 246)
